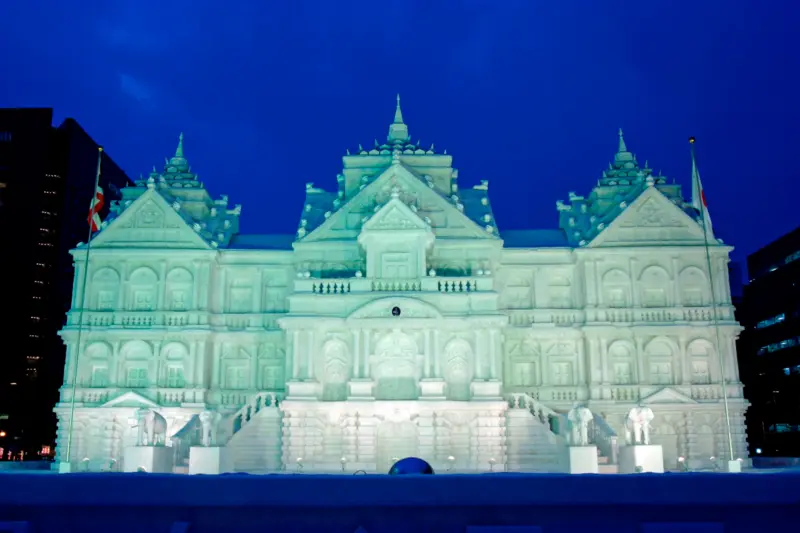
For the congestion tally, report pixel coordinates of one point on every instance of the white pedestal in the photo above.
(302, 390)
(650, 457)
(490, 389)
(583, 460)
(734, 467)
(210, 460)
(360, 389)
(152, 459)
(432, 389)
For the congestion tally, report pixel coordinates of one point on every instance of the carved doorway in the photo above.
(396, 440)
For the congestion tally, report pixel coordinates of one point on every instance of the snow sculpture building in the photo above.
(400, 321)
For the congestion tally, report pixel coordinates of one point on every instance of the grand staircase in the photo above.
(537, 438)
(254, 435)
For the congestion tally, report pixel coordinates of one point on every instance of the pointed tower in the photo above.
(398, 130)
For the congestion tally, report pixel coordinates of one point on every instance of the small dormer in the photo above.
(396, 241)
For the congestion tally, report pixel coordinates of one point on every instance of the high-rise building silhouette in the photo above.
(47, 175)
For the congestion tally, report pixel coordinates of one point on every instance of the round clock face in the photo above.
(395, 311)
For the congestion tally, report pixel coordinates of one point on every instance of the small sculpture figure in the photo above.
(152, 428)
(637, 425)
(579, 418)
(209, 420)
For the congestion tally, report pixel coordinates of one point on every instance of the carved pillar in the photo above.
(157, 366)
(640, 362)
(426, 370)
(113, 369)
(676, 288)
(734, 364)
(583, 363)
(481, 354)
(162, 284)
(436, 359)
(367, 349)
(494, 363)
(635, 296)
(295, 351)
(685, 364)
(199, 363)
(254, 368)
(591, 283)
(216, 363)
(604, 360)
(356, 352)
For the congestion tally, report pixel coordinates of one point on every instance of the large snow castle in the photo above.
(400, 320)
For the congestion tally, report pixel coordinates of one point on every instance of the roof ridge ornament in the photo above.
(179, 149)
(398, 130)
(622, 146)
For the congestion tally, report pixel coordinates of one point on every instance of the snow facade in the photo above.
(400, 321)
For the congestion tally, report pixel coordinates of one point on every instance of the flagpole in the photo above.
(713, 300)
(66, 466)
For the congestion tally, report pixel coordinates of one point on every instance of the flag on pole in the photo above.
(699, 197)
(98, 200)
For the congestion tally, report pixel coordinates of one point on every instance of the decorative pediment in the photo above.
(394, 216)
(444, 218)
(650, 219)
(131, 399)
(149, 222)
(667, 395)
(385, 308)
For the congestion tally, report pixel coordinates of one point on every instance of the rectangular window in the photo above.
(175, 379)
(236, 377)
(99, 377)
(136, 378)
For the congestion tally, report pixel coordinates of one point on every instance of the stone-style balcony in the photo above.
(619, 316)
(455, 285)
(165, 397)
(137, 319)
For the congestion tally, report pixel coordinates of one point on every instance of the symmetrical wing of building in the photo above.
(399, 321)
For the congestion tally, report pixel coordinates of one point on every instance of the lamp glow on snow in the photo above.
(410, 466)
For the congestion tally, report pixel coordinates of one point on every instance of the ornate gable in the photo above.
(443, 215)
(667, 395)
(650, 219)
(395, 215)
(130, 399)
(150, 222)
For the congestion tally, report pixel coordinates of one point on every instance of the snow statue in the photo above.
(209, 420)
(637, 425)
(579, 418)
(152, 428)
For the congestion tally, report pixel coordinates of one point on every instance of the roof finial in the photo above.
(398, 113)
(622, 147)
(179, 150)
(398, 131)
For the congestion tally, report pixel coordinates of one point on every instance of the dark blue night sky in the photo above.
(527, 94)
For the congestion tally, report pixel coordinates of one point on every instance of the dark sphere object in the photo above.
(410, 465)
(395, 311)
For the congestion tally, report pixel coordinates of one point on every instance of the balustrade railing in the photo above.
(137, 319)
(605, 438)
(360, 284)
(642, 315)
(253, 405)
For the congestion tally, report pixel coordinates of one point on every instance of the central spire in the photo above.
(622, 147)
(398, 131)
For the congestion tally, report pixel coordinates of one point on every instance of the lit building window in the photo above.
(777, 346)
(38, 282)
(47, 213)
(36, 319)
(46, 244)
(771, 321)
